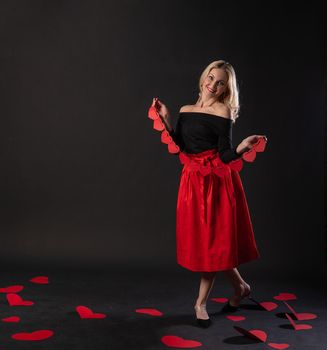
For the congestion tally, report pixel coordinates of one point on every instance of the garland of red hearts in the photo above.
(173, 148)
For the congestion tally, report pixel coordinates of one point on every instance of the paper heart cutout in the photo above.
(40, 280)
(173, 148)
(235, 318)
(12, 289)
(301, 316)
(16, 300)
(285, 296)
(279, 346)
(152, 113)
(158, 124)
(165, 137)
(256, 334)
(259, 146)
(174, 341)
(11, 319)
(236, 164)
(36, 335)
(219, 300)
(86, 313)
(297, 327)
(250, 155)
(148, 311)
(268, 305)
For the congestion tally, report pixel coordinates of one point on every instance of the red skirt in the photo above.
(213, 225)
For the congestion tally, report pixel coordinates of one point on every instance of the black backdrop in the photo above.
(85, 179)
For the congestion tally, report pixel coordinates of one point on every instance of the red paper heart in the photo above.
(152, 113)
(148, 311)
(219, 300)
(268, 305)
(16, 300)
(297, 327)
(11, 319)
(36, 335)
(279, 346)
(85, 312)
(174, 341)
(12, 289)
(256, 334)
(301, 316)
(235, 318)
(40, 280)
(158, 124)
(236, 165)
(173, 148)
(305, 316)
(165, 137)
(260, 145)
(285, 296)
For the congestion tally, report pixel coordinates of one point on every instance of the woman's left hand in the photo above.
(248, 143)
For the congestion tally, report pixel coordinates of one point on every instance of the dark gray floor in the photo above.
(119, 293)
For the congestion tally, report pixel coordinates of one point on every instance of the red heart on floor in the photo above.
(297, 327)
(85, 312)
(268, 305)
(37, 335)
(235, 318)
(219, 300)
(152, 312)
(279, 346)
(11, 319)
(256, 334)
(285, 296)
(12, 289)
(16, 300)
(305, 316)
(40, 280)
(301, 316)
(174, 341)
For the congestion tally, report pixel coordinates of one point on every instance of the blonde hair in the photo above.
(230, 97)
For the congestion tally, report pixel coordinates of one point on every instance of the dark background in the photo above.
(85, 180)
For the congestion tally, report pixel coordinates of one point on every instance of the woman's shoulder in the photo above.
(218, 109)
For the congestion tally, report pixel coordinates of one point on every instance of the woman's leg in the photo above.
(240, 286)
(206, 284)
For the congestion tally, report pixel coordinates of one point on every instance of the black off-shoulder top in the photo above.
(196, 132)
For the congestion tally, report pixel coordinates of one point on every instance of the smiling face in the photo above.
(215, 83)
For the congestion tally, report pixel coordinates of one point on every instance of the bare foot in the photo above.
(201, 312)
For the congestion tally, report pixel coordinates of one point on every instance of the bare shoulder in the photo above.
(223, 111)
(186, 108)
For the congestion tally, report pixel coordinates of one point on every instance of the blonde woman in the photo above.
(213, 226)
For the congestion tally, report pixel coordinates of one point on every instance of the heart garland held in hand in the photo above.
(236, 164)
(159, 125)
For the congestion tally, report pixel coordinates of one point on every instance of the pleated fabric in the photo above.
(213, 226)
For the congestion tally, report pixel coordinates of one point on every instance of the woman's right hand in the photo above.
(161, 108)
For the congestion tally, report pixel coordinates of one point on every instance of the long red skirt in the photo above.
(213, 225)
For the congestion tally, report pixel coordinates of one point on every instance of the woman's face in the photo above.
(215, 83)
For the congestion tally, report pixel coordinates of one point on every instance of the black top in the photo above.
(196, 132)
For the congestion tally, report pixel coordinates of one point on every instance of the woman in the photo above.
(213, 226)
